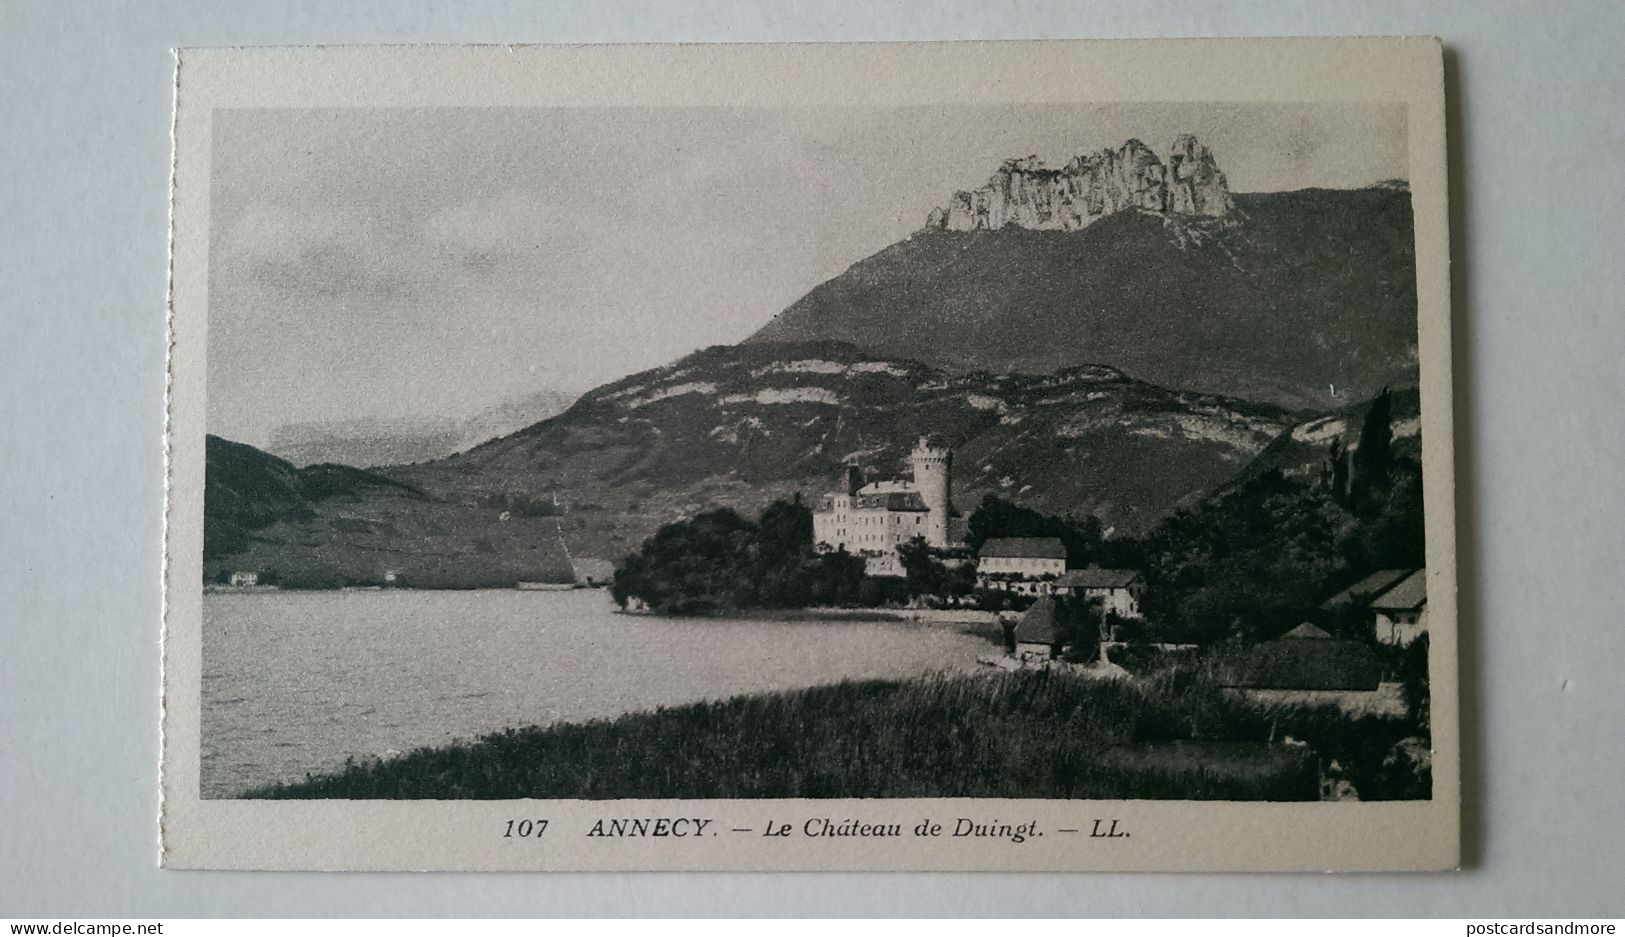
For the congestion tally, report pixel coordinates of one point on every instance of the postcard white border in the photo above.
(466, 835)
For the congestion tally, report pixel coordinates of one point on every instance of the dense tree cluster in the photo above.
(1084, 537)
(1261, 558)
(720, 562)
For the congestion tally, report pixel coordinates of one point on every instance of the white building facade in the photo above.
(1401, 612)
(1119, 590)
(1024, 565)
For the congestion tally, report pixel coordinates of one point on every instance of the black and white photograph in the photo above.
(1017, 451)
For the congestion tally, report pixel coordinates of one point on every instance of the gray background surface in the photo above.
(1537, 96)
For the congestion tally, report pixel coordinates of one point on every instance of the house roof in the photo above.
(1407, 594)
(1362, 591)
(886, 487)
(1298, 664)
(1038, 624)
(1047, 548)
(1306, 630)
(1096, 578)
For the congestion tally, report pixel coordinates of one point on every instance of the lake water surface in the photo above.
(296, 682)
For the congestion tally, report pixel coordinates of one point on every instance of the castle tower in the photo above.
(933, 476)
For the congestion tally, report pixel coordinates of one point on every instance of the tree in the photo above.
(1374, 457)
(1084, 537)
(787, 530)
(1079, 622)
(1337, 471)
(1413, 677)
(708, 563)
(1390, 533)
(836, 578)
(1249, 564)
(924, 574)
(960, 580)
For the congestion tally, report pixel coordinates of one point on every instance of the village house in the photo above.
(1119, 590)
(1402, 611)
(1366, 589)
(1023, 565)
(1396, 599)
(242, 580)
(872, 520)
(1038, 633)
(1307, 666)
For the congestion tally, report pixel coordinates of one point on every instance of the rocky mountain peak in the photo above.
(1195, 184)
(1027, 194)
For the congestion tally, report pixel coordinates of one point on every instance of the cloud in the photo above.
(512, 221)
(335, 270)
(314, 252)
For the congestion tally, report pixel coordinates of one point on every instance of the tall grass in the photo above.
(1022, 734)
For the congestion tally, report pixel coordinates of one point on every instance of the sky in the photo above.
(432, 263)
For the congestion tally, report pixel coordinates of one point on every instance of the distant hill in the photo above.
(1284, 296)
(740, 425)
(331, 525)
(370, 442)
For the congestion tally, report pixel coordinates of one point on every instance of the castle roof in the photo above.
(890, 501)
(888, 486)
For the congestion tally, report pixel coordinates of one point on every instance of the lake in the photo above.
(297, 682)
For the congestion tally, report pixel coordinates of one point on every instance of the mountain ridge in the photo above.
(1294, 294)
(740, 425)
(393, 441)
(1025, 193)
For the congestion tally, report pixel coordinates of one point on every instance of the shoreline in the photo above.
(939, 616)
(945, 616)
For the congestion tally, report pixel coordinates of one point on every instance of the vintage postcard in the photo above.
(928, 456)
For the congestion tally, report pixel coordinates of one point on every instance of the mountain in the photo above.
(332, 525)
(741, 425)
(375, 441)
(1026, 194)
(1278, 297)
